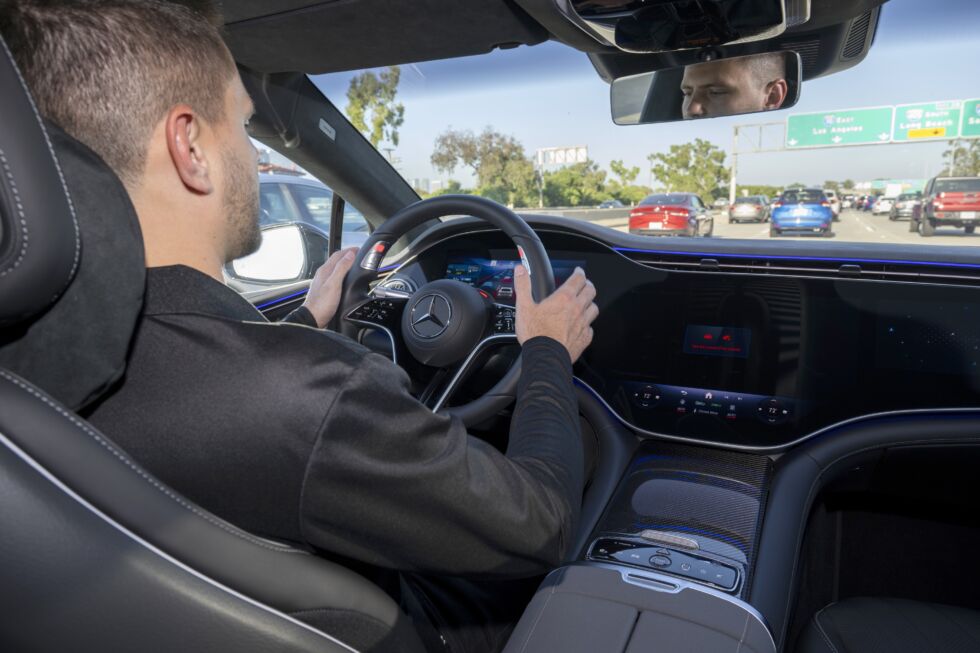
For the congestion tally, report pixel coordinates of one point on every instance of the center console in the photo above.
(669, 561)
(690, 513)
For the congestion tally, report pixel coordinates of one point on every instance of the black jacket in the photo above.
(301, 434)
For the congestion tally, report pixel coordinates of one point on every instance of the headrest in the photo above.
(39, 240)
(75, 349)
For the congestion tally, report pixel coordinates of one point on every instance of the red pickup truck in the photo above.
(948, 202)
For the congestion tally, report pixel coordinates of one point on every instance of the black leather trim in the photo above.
(616, 447)
(870, 624)
(799, 476)
(39, 239)
(71, 578)
(105, 296)
(286, 578)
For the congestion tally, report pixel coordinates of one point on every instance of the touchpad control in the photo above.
(665, 559)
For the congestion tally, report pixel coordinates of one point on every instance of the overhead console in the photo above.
(640, 26)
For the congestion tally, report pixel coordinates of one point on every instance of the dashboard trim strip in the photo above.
(777, 448)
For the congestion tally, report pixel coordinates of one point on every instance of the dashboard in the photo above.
(753, 361)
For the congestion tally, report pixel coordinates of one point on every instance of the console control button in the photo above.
(503, 319)
(774, 411)
(672, 561)
(646, 396)
(383, 312)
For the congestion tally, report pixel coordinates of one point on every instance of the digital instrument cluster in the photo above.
(494, 278)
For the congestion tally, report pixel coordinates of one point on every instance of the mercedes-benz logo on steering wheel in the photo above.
(431, 316)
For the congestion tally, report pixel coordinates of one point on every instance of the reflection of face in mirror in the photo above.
(732, 86)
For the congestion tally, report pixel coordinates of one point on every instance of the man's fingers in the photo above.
(587, 294)
(574, 284)
(522, 285)
(345, 259)
(591, 313)
(327, 268)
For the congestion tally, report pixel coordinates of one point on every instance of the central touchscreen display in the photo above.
(495, 277)
(717, 341)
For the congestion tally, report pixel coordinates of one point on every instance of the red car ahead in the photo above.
(671, 214)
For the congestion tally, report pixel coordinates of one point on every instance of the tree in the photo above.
(847, 184)
(503, 170)
(371, 105)
(697, 167)
(962, 159)
(580, 184)
(452, 187)
(756, 189)
(831, 185)
(626, 175)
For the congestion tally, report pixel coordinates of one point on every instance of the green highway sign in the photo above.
(971, 119)
(916, 122)
(836, 128)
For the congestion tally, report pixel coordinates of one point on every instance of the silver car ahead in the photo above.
(754, 208)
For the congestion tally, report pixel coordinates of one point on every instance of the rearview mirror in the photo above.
(709, 89)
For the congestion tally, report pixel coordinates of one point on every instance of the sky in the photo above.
(549, 95)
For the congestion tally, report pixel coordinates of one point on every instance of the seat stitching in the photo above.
(20, 212)
(146, 477)
(948, 616)
(57, 166)
(896, 607)
(823, 633)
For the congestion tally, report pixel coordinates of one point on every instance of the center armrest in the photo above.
(598, 608)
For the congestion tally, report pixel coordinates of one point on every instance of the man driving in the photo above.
(287, 430)
(728, 87)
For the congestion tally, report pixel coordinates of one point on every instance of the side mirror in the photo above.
(289, 252)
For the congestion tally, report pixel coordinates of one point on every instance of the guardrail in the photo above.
(602, 216)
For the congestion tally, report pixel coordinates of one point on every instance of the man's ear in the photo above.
(187, 152)
(776, 94)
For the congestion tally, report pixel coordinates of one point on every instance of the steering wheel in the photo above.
(445, 323)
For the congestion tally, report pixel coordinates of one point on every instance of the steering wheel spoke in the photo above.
(443, 330)
(384, 314)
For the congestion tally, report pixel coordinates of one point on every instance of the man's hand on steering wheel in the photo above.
(565, 315)
(328, 284)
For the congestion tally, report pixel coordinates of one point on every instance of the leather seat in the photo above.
(95, 553)
(889, 625)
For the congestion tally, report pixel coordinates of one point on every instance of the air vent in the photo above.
(791, 266)
(857, 37)
(809, 54)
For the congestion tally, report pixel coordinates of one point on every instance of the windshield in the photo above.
(802, 197)
(660, 200)
(530, 127)
(957, 186)
(748, 200)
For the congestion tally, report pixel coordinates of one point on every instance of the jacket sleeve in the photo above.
(393, 484)
(302, 316)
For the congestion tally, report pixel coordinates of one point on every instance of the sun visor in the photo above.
(77, 349)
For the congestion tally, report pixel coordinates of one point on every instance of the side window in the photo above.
(315, 203)
(288, 194)
(275, 206)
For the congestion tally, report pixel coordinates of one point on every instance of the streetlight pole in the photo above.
(734, 174)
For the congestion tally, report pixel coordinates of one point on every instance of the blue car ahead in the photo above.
(802, 211)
